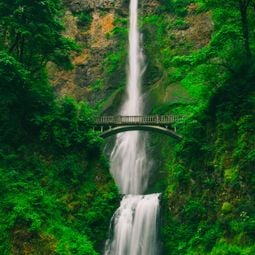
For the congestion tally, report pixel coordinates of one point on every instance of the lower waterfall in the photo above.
(134, 224)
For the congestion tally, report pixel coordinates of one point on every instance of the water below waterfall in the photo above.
(134, 224)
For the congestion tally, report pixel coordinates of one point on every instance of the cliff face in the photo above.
(167, 35)
(84, 5)
(100, 29)
(89, 23)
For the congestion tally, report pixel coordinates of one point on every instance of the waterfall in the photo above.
(128, 159)
(134, 224)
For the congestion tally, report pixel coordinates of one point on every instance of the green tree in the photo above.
(242, 6)
(52, 171)
(31, 31)
(30, 37)
(178, 7)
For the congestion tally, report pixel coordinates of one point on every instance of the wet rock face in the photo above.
(199, 29)
(149, 6)
(89, 70)
(95, 43)
(85, 5)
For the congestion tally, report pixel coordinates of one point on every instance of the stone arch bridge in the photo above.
(111, 125)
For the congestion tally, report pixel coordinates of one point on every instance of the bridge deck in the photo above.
(138, 120)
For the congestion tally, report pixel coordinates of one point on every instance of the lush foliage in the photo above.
(208, 204)
(57, 194)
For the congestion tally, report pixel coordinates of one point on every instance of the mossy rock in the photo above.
(226, 208)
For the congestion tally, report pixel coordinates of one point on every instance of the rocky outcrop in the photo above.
(85, 5)
(94, 41)
(88, 64)
(198, 30)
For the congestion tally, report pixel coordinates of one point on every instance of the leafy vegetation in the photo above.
(84, 19)
(57, 194)
(174, 6)
(208, 204)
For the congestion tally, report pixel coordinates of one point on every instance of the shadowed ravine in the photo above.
(134, 224)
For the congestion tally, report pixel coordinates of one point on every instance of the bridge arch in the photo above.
(125, 128)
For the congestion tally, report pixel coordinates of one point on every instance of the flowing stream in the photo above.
(134, 224)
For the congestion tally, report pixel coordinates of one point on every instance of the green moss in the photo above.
(226, 208)
(97, 85)
(181, 24)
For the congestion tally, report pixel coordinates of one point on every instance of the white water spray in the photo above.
(134, 224)
(128, 159)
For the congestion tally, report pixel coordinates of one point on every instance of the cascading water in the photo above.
(128, 159)
(134, 224)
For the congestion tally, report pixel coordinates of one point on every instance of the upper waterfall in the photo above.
(133, 104)
(129, 165)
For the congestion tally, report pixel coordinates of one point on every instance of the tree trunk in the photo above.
(15, 44)
(243, 7)
(253, 5)
(21, 51)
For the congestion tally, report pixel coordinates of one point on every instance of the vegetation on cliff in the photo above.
(209, 199)
(57, 196)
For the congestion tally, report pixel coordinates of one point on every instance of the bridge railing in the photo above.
(138, 120)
